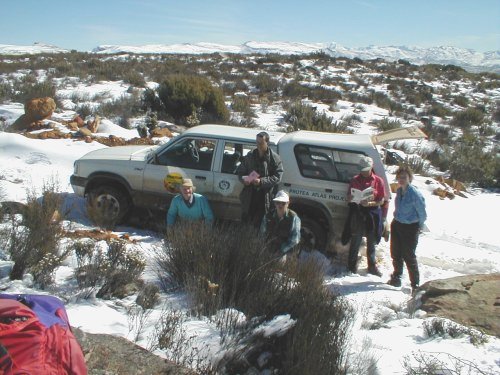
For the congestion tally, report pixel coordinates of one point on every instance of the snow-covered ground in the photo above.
(461, 240)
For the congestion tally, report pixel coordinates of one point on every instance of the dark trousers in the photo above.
(354, 250)
(404, 240)
(257, 208)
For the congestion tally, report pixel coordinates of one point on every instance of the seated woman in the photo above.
(189, 206)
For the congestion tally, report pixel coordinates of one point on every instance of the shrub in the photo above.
(126, 106)
(387, 124)
(5, 91)
(134, 78)
(445, 328)
(472, 163)
(229, 266)
(27, 91)
(33, 242)
(243, 105)
(461, 100)
(265, 83)
(304, 117)
(183, 95)
(108, 266)
(438, 110)
(468, 117)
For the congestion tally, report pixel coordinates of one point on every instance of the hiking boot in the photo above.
(414, 290)
(394, 282)
(374, 271)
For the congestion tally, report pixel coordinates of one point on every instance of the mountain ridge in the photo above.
(467, 58)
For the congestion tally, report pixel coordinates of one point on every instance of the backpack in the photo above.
(36, 338)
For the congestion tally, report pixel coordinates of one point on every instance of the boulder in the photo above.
(472, 300)
(112, 355)
(93, 125)
(161, 132)
(38, 109)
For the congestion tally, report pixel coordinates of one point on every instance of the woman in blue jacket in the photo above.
(189, 206)
(409, 218)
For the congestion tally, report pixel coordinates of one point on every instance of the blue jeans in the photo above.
(354, 250)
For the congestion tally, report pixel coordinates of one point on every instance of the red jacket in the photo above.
(30, 347)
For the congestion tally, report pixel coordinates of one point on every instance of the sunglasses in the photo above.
(279, 203)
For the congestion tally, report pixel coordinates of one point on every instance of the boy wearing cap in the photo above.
(281, 227)
(189, 206)
(266, 167)
(366, 218)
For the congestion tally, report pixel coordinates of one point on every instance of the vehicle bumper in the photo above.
(78, 184)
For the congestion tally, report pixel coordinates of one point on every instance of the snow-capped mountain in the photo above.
(36, 48)
(466, 58)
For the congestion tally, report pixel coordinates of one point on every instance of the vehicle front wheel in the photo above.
(312, 235)
(107, 205)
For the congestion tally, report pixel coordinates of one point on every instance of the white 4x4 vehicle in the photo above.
(317, 170)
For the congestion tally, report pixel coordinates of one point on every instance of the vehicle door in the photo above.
(187, 157)
(331, 169)
(227, 187)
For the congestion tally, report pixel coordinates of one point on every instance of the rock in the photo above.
(38, 109)
(112, 355)
(469, 300)
(79, 121)
(161, 132)
(85, 132)
(93, 126)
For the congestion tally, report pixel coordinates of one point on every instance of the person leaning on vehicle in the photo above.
(366, 218)
(281, 227)
(260, 172)
(189, 206)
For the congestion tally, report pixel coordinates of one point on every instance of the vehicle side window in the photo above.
(191, 153)
(323, 163)
(233, 155)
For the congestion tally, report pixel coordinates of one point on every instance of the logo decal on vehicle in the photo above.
(224, 185)
(172, 181)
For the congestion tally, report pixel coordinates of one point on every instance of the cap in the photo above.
(186, 182)
(281, 196)
(366, 163)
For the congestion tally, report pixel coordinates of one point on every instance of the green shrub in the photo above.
(26, 91)
(472, 163)
(230, 267)
(387, 124)
(126, 106)
(183, 95)
(438, 110)
(468, 117)
(265, 83)
(107, 267)
(5, 92)
(461, 100)
(33, 242)
(304, 117)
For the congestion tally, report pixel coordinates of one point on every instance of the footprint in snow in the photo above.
(38, 158)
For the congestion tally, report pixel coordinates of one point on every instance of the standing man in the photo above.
(409, 218)
(260, 172)
(366, 215)
(281, 227)
(189, 206)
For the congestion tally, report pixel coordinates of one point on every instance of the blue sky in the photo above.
(83, 25)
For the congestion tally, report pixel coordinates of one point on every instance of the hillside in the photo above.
(458, 110)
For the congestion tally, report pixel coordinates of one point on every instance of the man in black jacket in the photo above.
(260, 172)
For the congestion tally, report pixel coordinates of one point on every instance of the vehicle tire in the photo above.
(108, 205)
(312, 235)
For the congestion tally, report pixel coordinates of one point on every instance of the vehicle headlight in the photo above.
(76, 167)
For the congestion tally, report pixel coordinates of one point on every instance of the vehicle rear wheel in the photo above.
(312, 235)
(108, 205)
